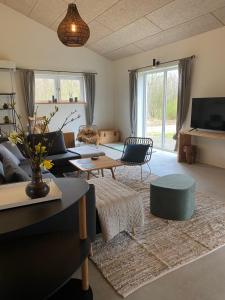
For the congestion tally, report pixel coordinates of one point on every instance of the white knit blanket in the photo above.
(119, 207)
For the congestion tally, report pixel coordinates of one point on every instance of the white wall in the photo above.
(31, 45)
(208, 81)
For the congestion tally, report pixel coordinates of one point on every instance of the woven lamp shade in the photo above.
(73, 31)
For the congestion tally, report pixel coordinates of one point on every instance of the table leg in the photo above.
(113, 175)
(84, 274)
(83, 236)
(91, 250)
(102, 172)
(88, 175)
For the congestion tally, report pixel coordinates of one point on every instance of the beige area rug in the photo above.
(129, 262)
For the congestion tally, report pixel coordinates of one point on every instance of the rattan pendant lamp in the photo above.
(73, 31)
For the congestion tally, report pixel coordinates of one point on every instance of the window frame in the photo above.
(57, 78)
(45, 76)
(142, 100)
(79, 78)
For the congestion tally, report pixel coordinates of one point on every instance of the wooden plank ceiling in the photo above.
(120, 28)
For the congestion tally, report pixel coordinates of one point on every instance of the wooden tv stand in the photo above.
(185, 139)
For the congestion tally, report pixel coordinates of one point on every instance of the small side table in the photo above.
(42, 245)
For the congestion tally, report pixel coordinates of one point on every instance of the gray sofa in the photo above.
(60, 155)
(14, 167)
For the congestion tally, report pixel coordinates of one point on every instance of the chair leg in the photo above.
(149, 168)
(91, 251)
(141, 172)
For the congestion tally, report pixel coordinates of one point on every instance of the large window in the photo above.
(63, 88)
(158, 106)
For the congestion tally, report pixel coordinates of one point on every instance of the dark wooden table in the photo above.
(43, 244)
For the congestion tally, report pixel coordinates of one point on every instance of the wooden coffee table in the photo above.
(103, 162)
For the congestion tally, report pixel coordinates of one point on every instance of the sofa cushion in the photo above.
(13, 172)
(61, 160)
(25, 165)
(47, 175)
(54, 141)
(86, 151)
(5, 154)
(2, 174)
(135, 153)
(13, 149)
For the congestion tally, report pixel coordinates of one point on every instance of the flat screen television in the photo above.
(208, 113)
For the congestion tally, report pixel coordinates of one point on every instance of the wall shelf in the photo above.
(7, 94)
(7, 124)
(185, 139)
(206, 134)
(60, 102)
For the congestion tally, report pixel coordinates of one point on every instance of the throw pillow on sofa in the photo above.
(13, 172)
(54, 141)
(2, 174)
(13, 149)
(6, 154)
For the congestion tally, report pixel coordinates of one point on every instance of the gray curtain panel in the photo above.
(133, 83)
(90, 97)
(28, 85)
(184, 92)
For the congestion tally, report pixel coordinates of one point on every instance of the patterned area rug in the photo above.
(129, 261)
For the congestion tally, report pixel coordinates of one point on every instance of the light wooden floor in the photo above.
(201, 280)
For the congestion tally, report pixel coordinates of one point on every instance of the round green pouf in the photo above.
(173, 197)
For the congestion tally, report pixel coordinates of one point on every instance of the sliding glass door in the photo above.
(160, 106)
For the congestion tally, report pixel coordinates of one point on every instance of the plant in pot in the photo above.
(37, 151)
(5, 106)
(6, 120)
(70, 97)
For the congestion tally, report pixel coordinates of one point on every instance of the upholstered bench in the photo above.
(119, 207)
(173, 197)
